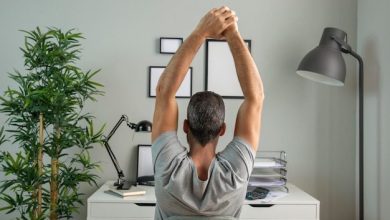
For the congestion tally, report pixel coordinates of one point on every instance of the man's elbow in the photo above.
(260, 96)
(164, 91)
(158, 89)
(255, 92)
(256, 98)
(161, 89)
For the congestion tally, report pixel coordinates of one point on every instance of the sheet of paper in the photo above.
(266, 163)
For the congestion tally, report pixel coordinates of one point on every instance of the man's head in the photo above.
(205, 117)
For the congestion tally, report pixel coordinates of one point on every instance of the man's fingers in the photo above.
(215, 22)
(213, 10)
(228, 14)
(231, 20)
(222, 10)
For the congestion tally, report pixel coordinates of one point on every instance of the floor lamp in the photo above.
(325, 64)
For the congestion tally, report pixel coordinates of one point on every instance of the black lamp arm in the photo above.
(119, 171)
(114, 161)
(131, 125)
(112, 132)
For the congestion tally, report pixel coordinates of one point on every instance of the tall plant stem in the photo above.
(40, 164)
(54, 180)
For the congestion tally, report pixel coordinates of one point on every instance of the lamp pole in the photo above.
(348, 50)
(361, 135)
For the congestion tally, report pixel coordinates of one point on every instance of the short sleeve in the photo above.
(164, 150)
(240, 157)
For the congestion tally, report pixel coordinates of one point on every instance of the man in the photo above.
(200, 182)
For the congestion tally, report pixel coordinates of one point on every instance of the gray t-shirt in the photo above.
(179, 191)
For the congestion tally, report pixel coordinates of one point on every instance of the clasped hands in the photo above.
(218, 23)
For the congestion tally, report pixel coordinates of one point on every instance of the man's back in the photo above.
(180, 192)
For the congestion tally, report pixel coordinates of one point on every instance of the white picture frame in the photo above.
(184, 91)
(220, 74)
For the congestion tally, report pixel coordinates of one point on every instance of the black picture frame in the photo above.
(169, 45)
(220, 72)
(185, 90)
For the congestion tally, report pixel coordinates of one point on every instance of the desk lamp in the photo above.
(142, 126)
(325, 64)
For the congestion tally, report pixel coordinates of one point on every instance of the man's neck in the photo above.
(202, 156)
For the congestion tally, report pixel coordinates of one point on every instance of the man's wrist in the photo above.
(231, 35)
(198, 34)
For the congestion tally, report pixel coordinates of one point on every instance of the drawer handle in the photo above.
(145, 204)
(261, 205)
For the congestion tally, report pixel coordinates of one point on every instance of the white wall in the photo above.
(373, 45)
(315, 124)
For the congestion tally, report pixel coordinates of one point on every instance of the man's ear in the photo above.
(222, 129)
(186, 126)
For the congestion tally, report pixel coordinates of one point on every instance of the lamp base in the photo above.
(123, 184)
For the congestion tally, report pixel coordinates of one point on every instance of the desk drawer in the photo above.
(285, 212)
(121, 210)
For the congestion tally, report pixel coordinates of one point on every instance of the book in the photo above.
(133, 191)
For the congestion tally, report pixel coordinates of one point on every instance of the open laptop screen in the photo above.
(145, 171)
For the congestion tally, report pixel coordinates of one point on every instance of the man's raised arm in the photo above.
(166, 110)
(248, 119)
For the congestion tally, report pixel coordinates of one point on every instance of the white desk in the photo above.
(296, 205)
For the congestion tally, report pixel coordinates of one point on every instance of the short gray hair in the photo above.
(205, 115)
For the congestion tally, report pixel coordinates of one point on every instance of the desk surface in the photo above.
(295, 196)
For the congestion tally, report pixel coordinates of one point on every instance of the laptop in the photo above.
(145, 171)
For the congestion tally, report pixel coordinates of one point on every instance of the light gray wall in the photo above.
(373, 45)
(315, 124)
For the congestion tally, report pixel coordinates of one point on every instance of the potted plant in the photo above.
(47, 124)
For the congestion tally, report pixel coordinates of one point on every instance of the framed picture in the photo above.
(169, 45)
(221, 76)
(185, 90)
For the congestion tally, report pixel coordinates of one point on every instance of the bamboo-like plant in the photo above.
(47, 123)
(2, 138)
